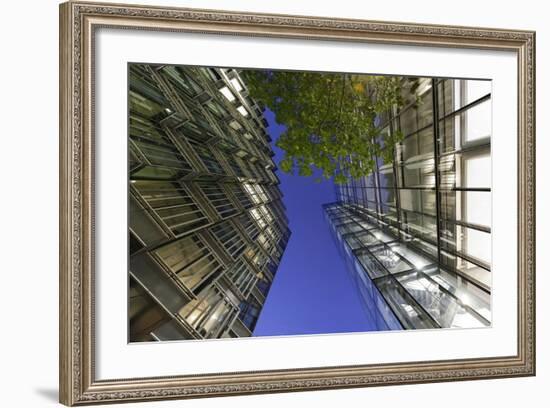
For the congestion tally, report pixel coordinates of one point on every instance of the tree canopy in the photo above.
(330, 119)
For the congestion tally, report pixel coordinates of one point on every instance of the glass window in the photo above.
(207, 157)
(467, 293)
(418, 146)
(390, 259)
(190, 260)
(386, 178)
(457, 93)
(229, 237)
(477, 207)
(242, 276)
(477, 171)
(419, 174)
(217, 109)
(405, 308)
(241, 195)
(477, 244)
(173, 204)
(440, 304)
(449, 135)
(445, 90)
(477, 122)
(413, 257)
(209, 314)
(249, 313)
(249, 226)
(371, 265)
(367, 239)
(474, 208)
(408, 121)
(218, 199)
(183, 82)
(419, 225)
(143, 87)
(425, 110)
(474, 272)
(419, 201)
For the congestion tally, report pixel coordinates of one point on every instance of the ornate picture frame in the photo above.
(78, 24)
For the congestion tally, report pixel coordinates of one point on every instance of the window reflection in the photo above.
(427, 251)
(207, 227)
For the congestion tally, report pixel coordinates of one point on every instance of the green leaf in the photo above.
(286, 165)
(329, 119)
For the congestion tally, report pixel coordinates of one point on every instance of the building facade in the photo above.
(416, 233)
(207, 223)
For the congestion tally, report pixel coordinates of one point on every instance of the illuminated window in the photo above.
(227, 93)
(236, 84)
(242, 110)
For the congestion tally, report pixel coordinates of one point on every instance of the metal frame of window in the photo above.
(362, 199)
(212, 162)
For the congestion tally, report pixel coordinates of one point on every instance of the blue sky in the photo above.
(312, 292)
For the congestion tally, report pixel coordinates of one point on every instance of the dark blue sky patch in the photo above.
(312, 292)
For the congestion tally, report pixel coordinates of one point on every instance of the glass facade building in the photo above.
(416, 233)
(207, 223)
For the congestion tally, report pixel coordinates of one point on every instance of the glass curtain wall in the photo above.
(418, 229)
(207, 223)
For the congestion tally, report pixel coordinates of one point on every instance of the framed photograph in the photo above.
(258, 203)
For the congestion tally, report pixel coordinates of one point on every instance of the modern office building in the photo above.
(416, 233)
(207, 224)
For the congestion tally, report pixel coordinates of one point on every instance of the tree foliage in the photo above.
(330, 119)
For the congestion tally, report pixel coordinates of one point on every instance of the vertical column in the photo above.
(378, 190)
(395, 176)
(435, 116)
